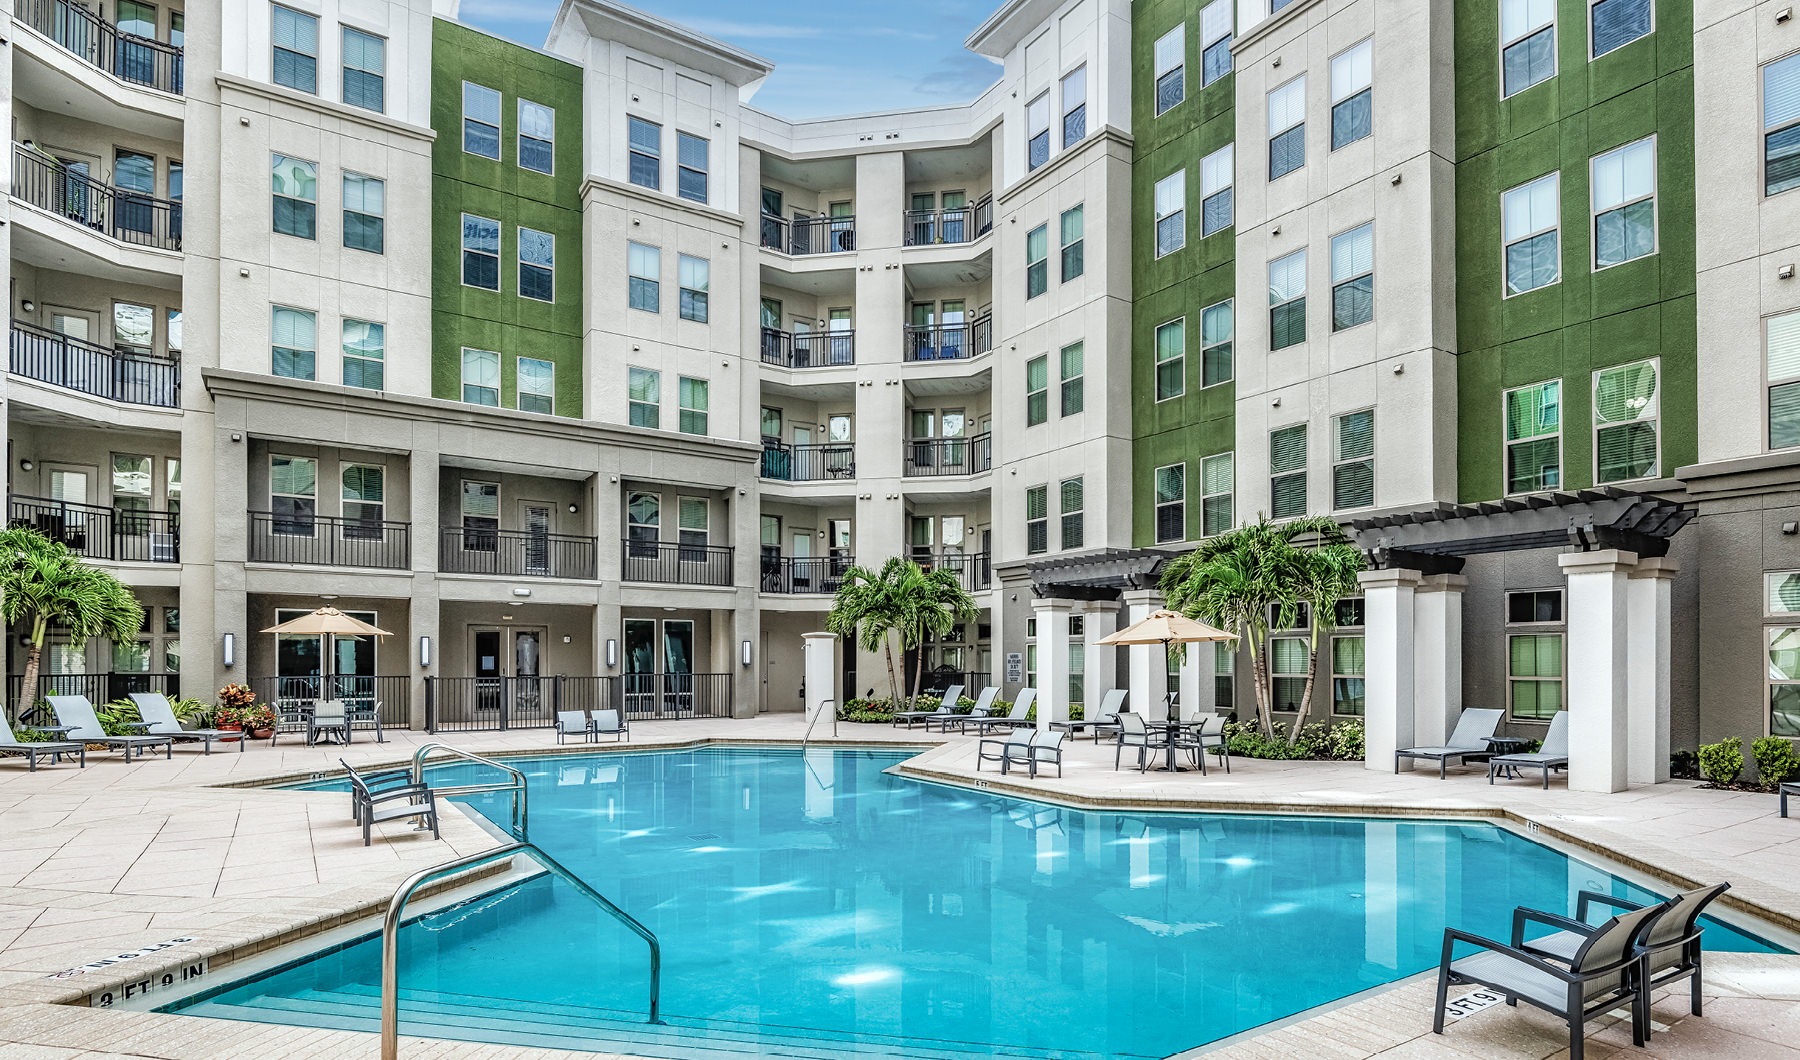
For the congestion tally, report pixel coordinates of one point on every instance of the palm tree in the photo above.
(44, 584)
(931, 602)
(865, 611)
(1324, 571)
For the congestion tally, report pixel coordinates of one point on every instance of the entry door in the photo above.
(536, 518)
(73, 367)
(805, 571)
(515, 652)
(528, 665)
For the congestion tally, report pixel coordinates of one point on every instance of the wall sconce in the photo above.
(744, 653)
(574, 508)
(228, 651)
(424, 652)
(28, 306)
(612, 653)
(1785, 272)
(26, 465)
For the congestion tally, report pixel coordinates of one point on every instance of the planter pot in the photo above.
(231, 728)
(261, 734)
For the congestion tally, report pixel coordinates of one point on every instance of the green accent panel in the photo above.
(466, 183)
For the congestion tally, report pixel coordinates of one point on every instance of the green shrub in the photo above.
(1723, 762)
(1345, 741)
(1684, 765)
(116, 718)
(1775, 759)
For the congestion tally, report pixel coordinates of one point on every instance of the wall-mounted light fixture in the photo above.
(424, 652)
(574, 508)
(28, 306)
(612, 653)
(521, 591)
(26, 465)
(228, 650)
(744, 653)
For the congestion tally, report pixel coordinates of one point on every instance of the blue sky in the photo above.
(830, 56)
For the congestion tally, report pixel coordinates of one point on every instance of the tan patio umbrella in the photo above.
(330, 623)
(1167, 627)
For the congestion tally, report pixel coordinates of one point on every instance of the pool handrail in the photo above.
(390, 932)
(516, 784)
(829, 704)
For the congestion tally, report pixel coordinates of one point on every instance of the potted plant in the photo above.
(235, 701)
(257, 721)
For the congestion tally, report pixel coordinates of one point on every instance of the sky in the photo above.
(831, 56)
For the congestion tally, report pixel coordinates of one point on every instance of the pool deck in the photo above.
(119, 856)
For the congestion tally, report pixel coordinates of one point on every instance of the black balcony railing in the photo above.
(294, 537)
(99, 43)
(808, 235)
(974, 568)
(474, 704)
(928, 457)
(129, 535)
(98, 688)
(133, 378)
(371, 702)
(803, 574)
(957, 225)
(516, 553)
(808, 349)
(677, 564)
(126, 216)
(809, 463)
(949, 342)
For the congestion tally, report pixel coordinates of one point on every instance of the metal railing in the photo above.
(808, 349)
(376, 702)
(808, 235)
(390, 929)
(949, 342)
(676, 695)
(76, 364)
(98, 688)
(809, 463)
(126, 216)
(488, 704)
(956, 225)
(679, 564)
(101, 44)
(123, 534)
(803, 574)
(974, 568)
(329, 540)
(935, 457)
(515, 783)
(516, 553)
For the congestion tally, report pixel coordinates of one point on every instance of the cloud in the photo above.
(958, 77)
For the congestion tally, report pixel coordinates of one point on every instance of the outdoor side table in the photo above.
(1506, 745)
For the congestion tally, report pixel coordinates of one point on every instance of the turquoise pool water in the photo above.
(813, 905)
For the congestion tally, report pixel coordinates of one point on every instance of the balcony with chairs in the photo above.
(939, 457)
(801, 236)
(517, 553)
(831, 462)
(125, 535)
(130, 376)
(954, 341)
(808, 349)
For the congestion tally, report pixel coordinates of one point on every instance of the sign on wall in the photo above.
(1015, 667)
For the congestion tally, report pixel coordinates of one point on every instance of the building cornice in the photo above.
(1107, 135)
(1740, 476)
(354, 115)
(595, 183)
(1271, 24)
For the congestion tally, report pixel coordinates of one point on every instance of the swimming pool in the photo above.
(814, 905)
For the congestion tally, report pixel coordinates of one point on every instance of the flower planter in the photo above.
(224, 727)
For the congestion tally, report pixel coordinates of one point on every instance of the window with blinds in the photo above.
(1781, 125)
(1037, 391)
(365, 69)
(1287, 300)
(1784, 681)
(1071, 224)
(294, 342)
(1216, 175)
(293, 494)
(644, 397)
(644, 162)
(694, 400)
(1626, 422)
(1170, 68)
(480, 377)
(1215, 344)
(1616, 23)
(537, 265)
(1623, 184)
(364, 354)
(1037, 520)
(536, 385)
(1534, 437)
(1217, 511)
(692, 166)
(1171, 359)
(537, 137)
(1037, 261)
(480, 252)
(1527, 44)
(1074, 106)
(695, 277)
(1170, 201)
(1171, 503)
(1782, 368)
(1353, 277)
(1037, 130)
(1072, 396)
(1353, 460)
(1352, 94)
(294, 61)
(364, 499)
(1071, 511)
(1215, 41)
(1348, 658)
(1287, 472)
(1287, 128)
(481, 120)
(1531, 235)
(1287, 664)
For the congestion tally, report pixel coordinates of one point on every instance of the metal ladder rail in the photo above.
(830, 704)
(516, 783)
(390, 932)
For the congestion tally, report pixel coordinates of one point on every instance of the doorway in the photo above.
(659, 677)
(509, 666)
(537, 519)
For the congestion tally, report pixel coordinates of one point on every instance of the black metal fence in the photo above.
(475, 704)
(974, 568)
(127, 535)
(808, 349)
(669, 561)
(955, 225)
(293, 537)
(367, 698)
(808, 235)
(932, 457)
(101, 44)
(130, 377)
(127, 216)
(518, 553)
(803, 574)
(676, 695)
(809, 463)
(98, 688)
(949, 342)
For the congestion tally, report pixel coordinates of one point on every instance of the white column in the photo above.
(1437, 658)
(1388, 598)
(819, 659)
(1594, 667)
(1145, 664)
(1195, 681)
(1102, 663)
(1648, 592)
(1052, 659)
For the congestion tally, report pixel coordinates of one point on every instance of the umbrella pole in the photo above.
(1168, 698)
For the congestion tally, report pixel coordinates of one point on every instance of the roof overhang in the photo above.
(1003, 30)
(606, 20)
(1436, 539)
(1100, 575)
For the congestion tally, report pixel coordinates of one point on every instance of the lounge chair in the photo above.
(574, 723)
(612, 722)
(1134, 733)
(328, 717)
(1601, 975)
(1016, 743)
(159, 720)
(371, 807)
(1671, 948)
(1016, 718)
(1106, 719)
(1554, 754)
(75, 717)
(10, 745)
(984, 706)
(1210, 736)
(945, 706)
(1791, 787)
(1468, 741)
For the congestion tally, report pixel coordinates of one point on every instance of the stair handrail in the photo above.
(390, 931)
(516, 783)
(827, 704)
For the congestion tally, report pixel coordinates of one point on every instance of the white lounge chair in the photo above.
(1468, 741)
(10, 745)
(1554, 754)
(1105, 719)
(984, 706)
(947, 705)
(76, 718)
(159, 720)
(1016, 718)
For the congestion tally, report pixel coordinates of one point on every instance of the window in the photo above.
(1215, 344)
(1171, 213)
(364, 354)
(645, 266)
(1072, 398)
(1781, 125)
(1215, 41)
(1171, 85)
(1784, 681)
(693, 524)
(695, 275)
(293, 494)
(480, 252)
(1037, 264)
(1171, 503)
(1287, 300)
(1215, 190)
(1527, 44)
(646, 152)
(131, 483)
(480, 515)
(1352, 106)
(1224, 671)
(1782, 366)
(1353, 460)
(1534, 654)
(1616, 23)
(537, 137)
(295, 185)
(1530, 222)
(1171, 359)
(1347, 667)
(1624, 201)
(1072, 242)
(1074, 105)
(645, 397)
(1037, 391)
(692, 394)
(1287, 665)
(1287, 472)
(1287, 128)
(691, 166)
(1534, 437)
(296, 58)
(1217, 513)
(134, 328)
(1625, 422)
(365, 210)
(481, 377)
(536, 381)
(1037, 132)
(364, 501)
(365, 63)
(1781, 593)
(173, 334)
(1353, 277)
(481, 120)
(293, 343)
(537, 265)
(1037, 520)
(1070, 488)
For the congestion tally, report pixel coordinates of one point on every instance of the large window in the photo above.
(480, 252)
(1348, 693)
(1287, 667)
(1037, 520)
(1527, 44)
(1072, 243)
(694, 400)
(1074, 106)
(1037, 391)
(480, 515)
(1287, 472)
(1784, 681)
(131, 488)
(643, 522)
(294, 184)
(364, 499)
(537, 265)
(692, 166)
(1215, 344)
(480, 377)
(293, 343)
(1531, 230)
(646, 152)
(293, 494)
(1534, 654)
(1224, 674)
(1171, 503)
(1171, 84)
(1217, 513)
(1625, 422)
(1353, 277)
(1171, 213)
(364, 354)
(1353, 460)
(1534, 437)
(644, 264)
(1215, 41)
(296, 56)
(1287, 128)
(1215, 190)
(536, 385)
(1616, 23)
(1287, 300)
(1171, 359)
(537, 137)
(1782, 367)
(1037, 261)
(1037, 131)
(1072, 369)
(1781, 125)
(644, 388)
(1624, 202)
(695, 277)
(365, 213)
(1071, 510)
(1352, 95)
(481, 120)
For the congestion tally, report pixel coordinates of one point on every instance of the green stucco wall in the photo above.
(1588, 320)
(466, 183)
(1200, 422)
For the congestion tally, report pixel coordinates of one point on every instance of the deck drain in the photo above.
(702, 837)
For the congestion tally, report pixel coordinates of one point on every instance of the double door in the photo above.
(509, 667)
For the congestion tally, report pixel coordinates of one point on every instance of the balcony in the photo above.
(808, 235)
(125, 535)
(960, 225)
(808, 349)
(100, 44)
(677, 564)
(935, 457)
(132, 378)
(802, 574)
(517, 553)
(121, 215)
(974, 569)
(808, 463)
(324, 540)
(950, 342)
